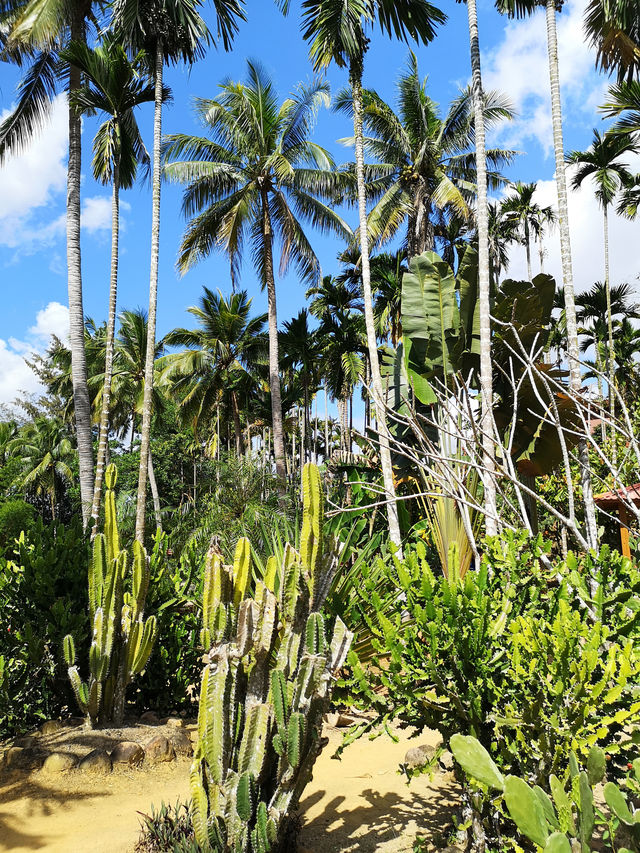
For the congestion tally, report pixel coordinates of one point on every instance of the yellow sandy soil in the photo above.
(360, 803)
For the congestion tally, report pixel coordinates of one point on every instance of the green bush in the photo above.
(16, 516)
(510, 654)
(42, 598)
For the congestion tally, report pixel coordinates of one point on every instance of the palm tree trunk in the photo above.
(81, 399)
(274, 358)
(108, 366)
(591, 533)
(237, 427)
(484, 295)
(611, 353)
(541, 253)
(145, 436)
(327, 452)
(355, 75)
(527, 238)
(154, 493)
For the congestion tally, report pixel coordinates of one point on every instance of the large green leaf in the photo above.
(431, 317)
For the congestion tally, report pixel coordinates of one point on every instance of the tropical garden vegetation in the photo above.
(456, 550)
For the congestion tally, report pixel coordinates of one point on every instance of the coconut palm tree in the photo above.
(34, 31)
(170, 31)
(601, 162)
(525, 215)
(46, 454)
(300, 348)
(520, 9)
(256, 178)
(115, 87)
(337, 32)
(220, 353)
(425, 164)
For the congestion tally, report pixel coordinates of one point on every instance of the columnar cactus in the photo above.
(122, 639)
(265, 686)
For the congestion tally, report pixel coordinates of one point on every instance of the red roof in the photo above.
(609, 500)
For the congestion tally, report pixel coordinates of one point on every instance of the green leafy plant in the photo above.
(564, 817)
(265, 686)
(122, 639)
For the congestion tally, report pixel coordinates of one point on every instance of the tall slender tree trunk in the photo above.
(355, 75)
(484, 277)
(108, 365)
(527, 238)
(81, 399)
(274, 358)
(155, 494)
(145, 436)
(541, 252)
(237, 426)
(591, 533)
(327, 452)
(611, 353)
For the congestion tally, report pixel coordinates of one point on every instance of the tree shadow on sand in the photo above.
(385, 817)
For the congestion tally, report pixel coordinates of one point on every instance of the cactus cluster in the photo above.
(265, 686)
(565, 819)
(122, 639)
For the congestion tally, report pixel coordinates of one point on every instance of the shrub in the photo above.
(42, 596)
(16, 516)
(509, 654)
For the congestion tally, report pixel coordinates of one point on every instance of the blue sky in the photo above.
(32, 189)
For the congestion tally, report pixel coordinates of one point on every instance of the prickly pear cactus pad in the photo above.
(265, 686)
(122, 639)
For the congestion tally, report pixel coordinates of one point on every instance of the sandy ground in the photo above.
(360, 803)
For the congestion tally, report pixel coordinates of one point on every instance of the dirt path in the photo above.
(358, 804)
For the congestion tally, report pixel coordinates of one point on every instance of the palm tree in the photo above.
(386, 280)
(257, 177)
(220, 353)
(337, 32)
(624, 99)
(301, 350)
(601, 162)
(546, 220)
(46, 454)
(520, 209)
(484, 276)
(502, 232)
(522, 8)
(36, 30)
(169, 31)
(114, 86)
(614, 30)
(424, 161)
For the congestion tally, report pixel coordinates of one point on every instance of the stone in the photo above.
(127, 752)
(181, 741)
(419, 756)
(26, 742)
(150, 718)
(345, 721)
(16, 756)
(331, 720)
(59, 762)
(159, 749)
(97, 761)
(446, 760)
(175, 723)
(51, 727)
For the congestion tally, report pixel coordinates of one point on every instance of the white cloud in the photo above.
(586, 227)
(16, 376)
(519, 65)
(31, 181)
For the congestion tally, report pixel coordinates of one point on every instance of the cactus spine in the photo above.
(265, 686)
(122, 639)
